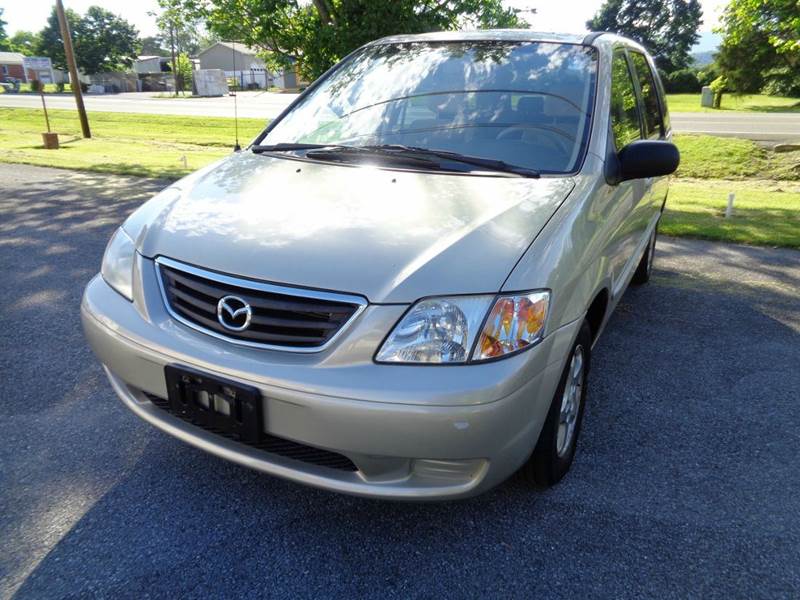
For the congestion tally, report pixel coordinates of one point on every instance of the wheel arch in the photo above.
(597, 311)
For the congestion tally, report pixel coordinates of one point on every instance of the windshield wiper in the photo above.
(476, 161)
(338, 153)
(413, 155)
(289, 147)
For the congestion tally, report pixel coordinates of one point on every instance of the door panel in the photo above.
(651, 107)
(630, 198)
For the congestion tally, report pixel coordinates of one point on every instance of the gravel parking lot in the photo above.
(685, 484)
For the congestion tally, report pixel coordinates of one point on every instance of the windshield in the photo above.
(524, 103)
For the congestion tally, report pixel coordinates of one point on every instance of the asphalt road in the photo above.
(766, 127)
(685, 483)
(775, 127)
(257, 105)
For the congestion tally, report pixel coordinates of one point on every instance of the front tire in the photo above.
(555, 449)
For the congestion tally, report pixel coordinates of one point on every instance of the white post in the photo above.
(729, 209)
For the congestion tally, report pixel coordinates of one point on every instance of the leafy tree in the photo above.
(104, 42)
(779, 20)
(50, 42)
(746, 61)
(5, 44)
(179, 25)
(761, 46)
(320, 33)
(26, 42)
(668, 28)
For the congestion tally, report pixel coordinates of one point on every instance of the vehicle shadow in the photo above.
(685, 481)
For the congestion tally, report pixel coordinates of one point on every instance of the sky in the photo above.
(551, 15)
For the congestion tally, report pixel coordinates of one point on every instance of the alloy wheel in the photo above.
(570, 403)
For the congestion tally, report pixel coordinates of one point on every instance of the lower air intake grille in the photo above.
(276, 445)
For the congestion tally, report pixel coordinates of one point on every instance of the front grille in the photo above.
(274, 445)
(299, 320)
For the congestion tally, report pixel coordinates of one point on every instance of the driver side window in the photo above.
(624, 107)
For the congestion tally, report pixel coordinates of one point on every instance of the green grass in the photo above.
(710, 157)
(129, 144)
(764, 214)
(746, 102)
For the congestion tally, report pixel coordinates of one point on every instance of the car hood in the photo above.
(389, 235)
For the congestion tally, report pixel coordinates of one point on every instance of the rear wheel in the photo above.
(555, 449)
(642, 274)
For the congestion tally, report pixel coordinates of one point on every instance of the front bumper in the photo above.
(413, 432)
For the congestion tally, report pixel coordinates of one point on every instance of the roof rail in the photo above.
(592, 36)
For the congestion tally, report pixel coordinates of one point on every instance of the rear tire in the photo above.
(555, 449)
(645, 268)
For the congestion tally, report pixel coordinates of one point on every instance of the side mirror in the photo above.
(648, 158)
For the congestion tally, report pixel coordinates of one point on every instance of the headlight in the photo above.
(445, 330)
(117, 267)
(437, 330)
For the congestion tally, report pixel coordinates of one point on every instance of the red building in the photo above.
(11, 65)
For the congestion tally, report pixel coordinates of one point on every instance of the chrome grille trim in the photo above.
(358, 302)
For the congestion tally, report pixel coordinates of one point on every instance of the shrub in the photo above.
(183, 76)
(682, 81)
(718, 86)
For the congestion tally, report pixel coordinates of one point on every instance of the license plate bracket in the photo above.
(214, 403)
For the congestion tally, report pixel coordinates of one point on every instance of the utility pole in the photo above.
(73, 70)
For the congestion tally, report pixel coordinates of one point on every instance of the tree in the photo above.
(104, 42)
(179, 26)
(26, 42)
(761, 46)
(183, 74)
(5, 45)
(178, 23)
(668, 28)
(50, 42)
(318, 34)
(746, 61)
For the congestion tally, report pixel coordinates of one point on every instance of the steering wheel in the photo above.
(550, 137)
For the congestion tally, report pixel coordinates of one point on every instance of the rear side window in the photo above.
(624, 107)
(653, 125)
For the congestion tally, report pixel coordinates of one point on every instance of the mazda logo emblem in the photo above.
(233, 313)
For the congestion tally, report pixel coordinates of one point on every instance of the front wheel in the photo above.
(555, 449)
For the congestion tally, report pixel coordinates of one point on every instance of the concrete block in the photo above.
(210, 82)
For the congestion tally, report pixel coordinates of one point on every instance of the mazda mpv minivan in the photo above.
(394, 291)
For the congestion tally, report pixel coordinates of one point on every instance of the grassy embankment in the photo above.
(746, 102)
(128, 144)
(767, 184)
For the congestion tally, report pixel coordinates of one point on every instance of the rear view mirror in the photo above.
(648, 158)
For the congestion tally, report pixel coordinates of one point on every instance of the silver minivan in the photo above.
(394, 291)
